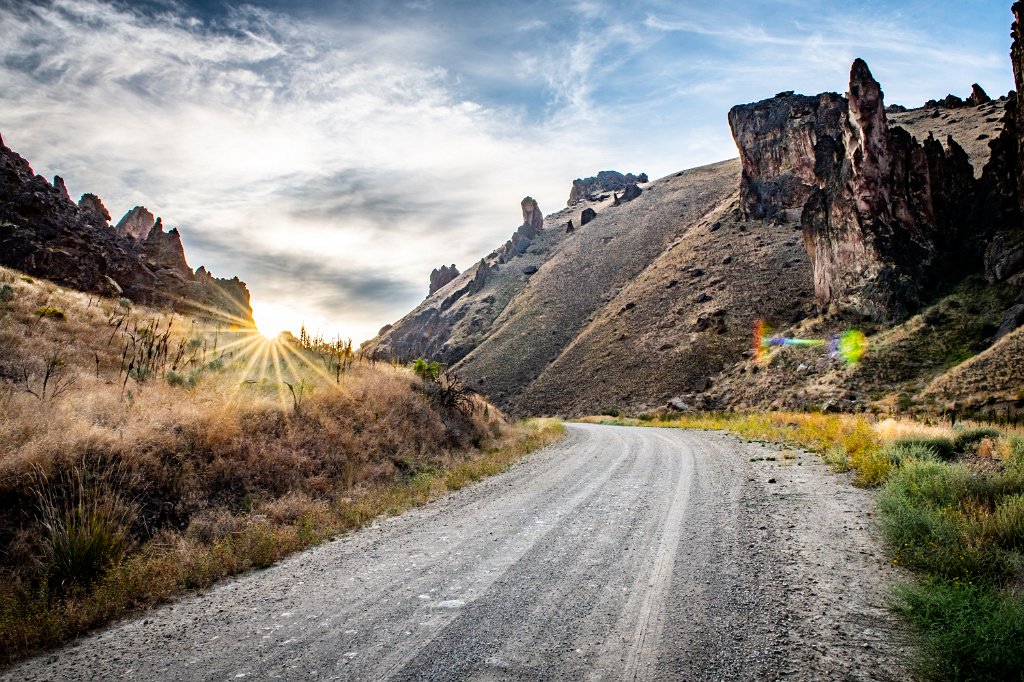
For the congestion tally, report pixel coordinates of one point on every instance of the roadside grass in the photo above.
(143, 453)
(221, 544)
(951, 504)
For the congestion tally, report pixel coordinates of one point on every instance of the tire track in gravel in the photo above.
(620, 553)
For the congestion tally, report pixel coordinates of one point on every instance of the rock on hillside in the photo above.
(590, 189)
(45, 234)
(441, 276)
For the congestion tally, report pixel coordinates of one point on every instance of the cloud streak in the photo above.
(333, 154)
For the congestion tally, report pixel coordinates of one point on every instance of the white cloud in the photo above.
(216, 132)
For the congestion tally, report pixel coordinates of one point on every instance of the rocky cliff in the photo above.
(886, 217)
(45, 234)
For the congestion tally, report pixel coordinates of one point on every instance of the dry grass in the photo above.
(217, 451)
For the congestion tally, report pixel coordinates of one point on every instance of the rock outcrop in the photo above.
(136, 223)
(587, 215)
(91, 206)
(46, 235)
(533, 223)
(590, 189)
(779, 140)
(978, 96)
(880, 211)
(442, 276)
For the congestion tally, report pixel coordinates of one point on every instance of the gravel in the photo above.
(619, 553)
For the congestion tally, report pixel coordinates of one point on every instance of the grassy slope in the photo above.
(196, 454)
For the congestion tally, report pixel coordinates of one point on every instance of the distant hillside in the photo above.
(46, 234)
(655, 298)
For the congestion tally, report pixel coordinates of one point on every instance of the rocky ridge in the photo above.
(45, 234)
(841, 210)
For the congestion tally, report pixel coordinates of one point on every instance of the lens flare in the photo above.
(850, 346)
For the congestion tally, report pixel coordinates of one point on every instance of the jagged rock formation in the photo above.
(880, 210)
(441, 276)
(836, 205)
(136, 223)
(90, 205)
(777, 140)
(978, 96)
(45, 234)
(533, 223)
(589, 189)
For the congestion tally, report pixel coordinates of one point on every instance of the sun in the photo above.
(271, 320)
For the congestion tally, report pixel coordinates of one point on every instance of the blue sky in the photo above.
(331, 154)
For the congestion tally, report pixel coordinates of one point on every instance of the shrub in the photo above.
(86, 520)
(427, 371)
(966, 438)
(941, 447)
(967, 632)
(611, 412)
(27, 280)
(6, 292)
(900, 452)
(1006, 525)
(124, 302)
(645, 417)
(48, 311)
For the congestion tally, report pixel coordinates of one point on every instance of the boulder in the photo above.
(587, 215)
(630, 192)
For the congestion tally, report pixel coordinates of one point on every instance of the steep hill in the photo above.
(655, 297)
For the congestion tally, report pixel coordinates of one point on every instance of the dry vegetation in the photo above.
(142, 454)
(952, 511)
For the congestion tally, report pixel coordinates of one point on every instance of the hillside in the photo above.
(656, 296)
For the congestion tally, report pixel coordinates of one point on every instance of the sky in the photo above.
(330, 154)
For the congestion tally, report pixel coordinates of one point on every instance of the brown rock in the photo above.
(978, 96)
(587, 215)
(92, 207)
(442, 276)
(778, 141)
(136, 223)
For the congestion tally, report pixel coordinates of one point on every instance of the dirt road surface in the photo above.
(619, 553)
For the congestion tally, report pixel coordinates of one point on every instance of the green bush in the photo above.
(967, 438)
(124, 302)
(49, 312)
(645, 417)
(1006, 525)
(967, 632)
(942, 448)
(6, 292)
(901, 451)
(185, 380)
(427, 371)
(87, 525)
(611, 412)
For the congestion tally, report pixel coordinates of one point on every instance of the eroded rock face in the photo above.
(91, 206)
(46, 235)
(442, 276)
(880, 211)
(978, 96)
(779, 140)
(533, 223)
(136, 223)
(872, 230)
(588, 189)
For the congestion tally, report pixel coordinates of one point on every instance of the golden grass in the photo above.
(231, 450)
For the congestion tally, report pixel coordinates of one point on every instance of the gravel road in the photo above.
(619, 553)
